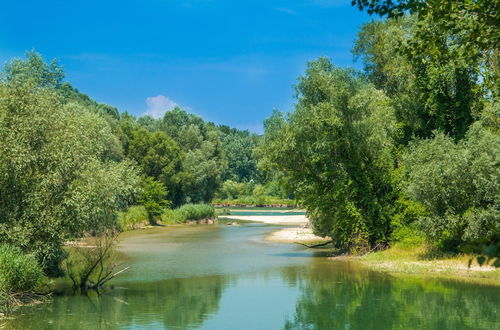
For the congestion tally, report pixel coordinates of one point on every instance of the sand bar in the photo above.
(272, 219)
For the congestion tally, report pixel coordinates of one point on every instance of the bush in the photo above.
(188, 212)
(458, 184)
(196, 211)
(153, 198)
(18, 271)
(132, 217)
(171, 217)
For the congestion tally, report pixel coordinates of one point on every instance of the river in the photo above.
(229, 277)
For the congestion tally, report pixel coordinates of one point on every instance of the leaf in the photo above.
(481, 260)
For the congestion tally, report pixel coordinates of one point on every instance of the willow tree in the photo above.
(61, 173)
(336, 147)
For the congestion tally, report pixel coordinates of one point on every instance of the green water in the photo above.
(228, 277)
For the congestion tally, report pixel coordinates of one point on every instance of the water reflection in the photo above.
(341, 295)
(237, 281)
(172, 304)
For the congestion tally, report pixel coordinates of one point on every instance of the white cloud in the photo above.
(158, 105)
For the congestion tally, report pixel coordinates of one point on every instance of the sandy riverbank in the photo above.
(395, 260)
(271, 219)
(295, 235)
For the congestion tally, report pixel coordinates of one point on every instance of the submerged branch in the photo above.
(316, 245)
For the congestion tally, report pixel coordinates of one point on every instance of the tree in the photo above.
(432, 86)
(458, 184)
(336, 148)
(58, 176)
(159, 157)
(239, 148)
(477, 20)
(34, 69)
(153, 197)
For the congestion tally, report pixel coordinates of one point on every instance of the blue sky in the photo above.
(231, 62)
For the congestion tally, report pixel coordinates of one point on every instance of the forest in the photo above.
(404, 150)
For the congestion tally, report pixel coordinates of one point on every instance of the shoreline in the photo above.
(298, 235)
(400, 261)
(270, 219)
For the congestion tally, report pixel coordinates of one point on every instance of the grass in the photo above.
(134, 217)
(20, 274)
(423, 259)
(188, 212)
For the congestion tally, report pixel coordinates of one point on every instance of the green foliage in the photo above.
(72, 94)
(172, 217)
(239, 148)
(188, 212)
(196, 211)
(132, 217)
(378, 45)
(336, 147)
(158, 156)
(232, 189)
(458, 183)
(18, 271)
(433, 86)
(153, 197)
(60, 173)
(181, 151)
(34, 69)
(438, 61)
(476, 20)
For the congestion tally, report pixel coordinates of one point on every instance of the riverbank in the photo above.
(423, 260)
(295, 235)
(270, 219)
(401, 260)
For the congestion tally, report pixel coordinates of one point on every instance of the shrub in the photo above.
(132, 217)
(153, 198)
(188, 212)
(170, 217)
(196, 211)
(458, 184)
(18, 271)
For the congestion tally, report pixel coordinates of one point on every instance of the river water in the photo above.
(229, 277)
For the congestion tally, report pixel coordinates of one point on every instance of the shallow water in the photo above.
(228, 277)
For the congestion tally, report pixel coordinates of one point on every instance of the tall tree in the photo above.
(336, 147)
(58, 175)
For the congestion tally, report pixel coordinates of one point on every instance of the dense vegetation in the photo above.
(409, 146)
(406, 147)
(71, 167)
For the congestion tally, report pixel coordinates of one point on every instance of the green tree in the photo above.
(159, 157)
(432, 87)
(35, 69)
(239, 148)
(153, 197)
(58, 176)
(458, 184)
(336, 148)
(477, 20)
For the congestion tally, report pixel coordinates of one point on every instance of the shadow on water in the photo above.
(174, 303)
(305, 254)
(343, 295)
(231, 279)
